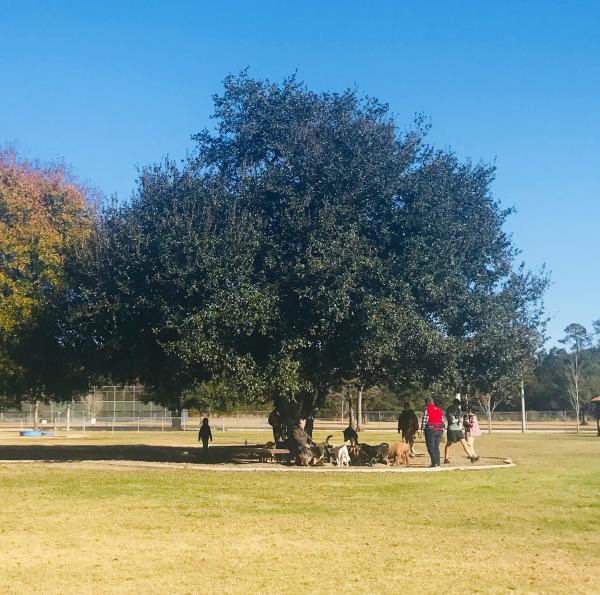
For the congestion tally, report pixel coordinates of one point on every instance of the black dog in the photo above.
(365, 454)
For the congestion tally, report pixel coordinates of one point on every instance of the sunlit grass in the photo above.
(532, 528)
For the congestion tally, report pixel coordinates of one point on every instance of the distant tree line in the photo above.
(305, 245)
(568, 378)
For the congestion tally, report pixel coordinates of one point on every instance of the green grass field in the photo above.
(533, 528)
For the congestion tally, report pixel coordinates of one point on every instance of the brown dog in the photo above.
(399, 451)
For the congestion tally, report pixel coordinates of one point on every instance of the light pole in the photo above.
(523, 413)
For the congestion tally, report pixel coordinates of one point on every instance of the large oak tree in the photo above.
(307, 241)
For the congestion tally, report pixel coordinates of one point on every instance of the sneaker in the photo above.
(446, 461)
(475, 458)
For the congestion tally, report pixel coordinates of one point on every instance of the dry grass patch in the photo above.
(527, 529)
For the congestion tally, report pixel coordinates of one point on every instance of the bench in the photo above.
(272, 454)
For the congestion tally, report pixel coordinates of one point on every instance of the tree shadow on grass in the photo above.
(132, 452)
(217, 455)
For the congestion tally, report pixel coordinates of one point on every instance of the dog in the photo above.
(311, 455)
(263, 454)
(361, 456)
(357, 456)
(398, 452)
(338, 455)
(365, 454)
(343, 456)
(331, 450)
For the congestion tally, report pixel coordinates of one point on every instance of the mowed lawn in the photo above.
(534, 528)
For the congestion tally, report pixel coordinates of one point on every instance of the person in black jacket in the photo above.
(205, 435)
(408, 426)
(299, 439)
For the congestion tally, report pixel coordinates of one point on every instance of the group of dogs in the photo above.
(353, 453)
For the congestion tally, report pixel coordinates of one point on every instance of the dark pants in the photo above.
(432, 439)
(204, 444)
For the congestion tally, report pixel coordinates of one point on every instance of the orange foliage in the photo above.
(43, 212)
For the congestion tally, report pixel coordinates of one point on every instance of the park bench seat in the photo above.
(271, 454)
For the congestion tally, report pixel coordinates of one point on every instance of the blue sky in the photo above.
(108, 85)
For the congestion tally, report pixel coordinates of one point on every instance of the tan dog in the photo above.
(399, 451)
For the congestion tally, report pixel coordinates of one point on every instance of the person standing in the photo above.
(455, 432)
(432, 425)
(408, 426)
(597, 414)
(204, 435)
(472, 429)
(310, 424)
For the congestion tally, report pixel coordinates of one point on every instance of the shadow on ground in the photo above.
(216, 456)
(131, 452)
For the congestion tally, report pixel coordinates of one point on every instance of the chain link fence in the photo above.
(132, 414)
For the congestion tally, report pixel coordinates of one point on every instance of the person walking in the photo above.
(472, 429)
(408, 426)
(432, 425)
(455, 432)
(204, 435)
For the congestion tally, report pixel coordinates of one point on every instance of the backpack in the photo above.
(453, 416)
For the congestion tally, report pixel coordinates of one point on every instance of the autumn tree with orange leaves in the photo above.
(44, 214)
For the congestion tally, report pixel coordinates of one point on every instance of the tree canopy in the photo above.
(306, 241)
(44, 214)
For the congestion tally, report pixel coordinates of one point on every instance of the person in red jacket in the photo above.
(432, 425)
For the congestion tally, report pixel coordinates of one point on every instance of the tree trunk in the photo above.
(489, 416)
(359, 417)
(577, 398)
(176, 419)
(36, 414)
(284, 416)
(68, 417)
(351, 421)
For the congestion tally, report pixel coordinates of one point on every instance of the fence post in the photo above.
(523, 412)
(138, 425)
(113, 425)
